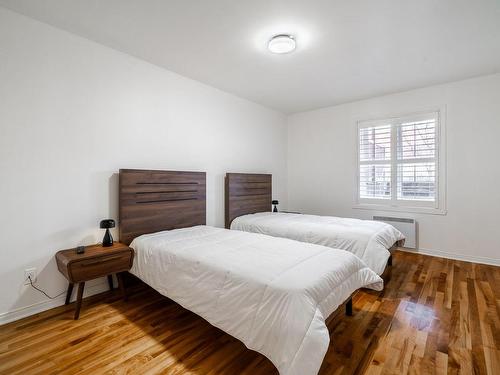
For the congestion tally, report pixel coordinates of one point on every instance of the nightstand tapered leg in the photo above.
(110, 282)
(68, 293)
(121, 285)
(79, 297)
(348, 307)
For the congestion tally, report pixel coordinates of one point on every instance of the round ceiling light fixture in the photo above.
(282, 43)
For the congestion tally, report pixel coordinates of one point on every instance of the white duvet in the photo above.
(368, 240)
(273, 294)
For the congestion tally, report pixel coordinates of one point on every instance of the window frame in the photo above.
(437, 207)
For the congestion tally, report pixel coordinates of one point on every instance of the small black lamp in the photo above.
(108, 239)
(275, 204)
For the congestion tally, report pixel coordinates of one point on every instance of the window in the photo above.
(399, 164)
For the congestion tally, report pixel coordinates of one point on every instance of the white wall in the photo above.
(72, 113)
(322, 164)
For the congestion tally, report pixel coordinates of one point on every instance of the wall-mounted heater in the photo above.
(406, 226)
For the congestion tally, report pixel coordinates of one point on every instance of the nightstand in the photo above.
(96, 261)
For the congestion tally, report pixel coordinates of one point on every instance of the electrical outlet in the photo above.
(29, 273)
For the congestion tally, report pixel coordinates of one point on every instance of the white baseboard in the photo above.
(39, 307)
(455, 256)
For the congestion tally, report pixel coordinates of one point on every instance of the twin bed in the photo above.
(274, 294)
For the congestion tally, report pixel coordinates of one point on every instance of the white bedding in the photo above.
(368, 240)
(273, 294)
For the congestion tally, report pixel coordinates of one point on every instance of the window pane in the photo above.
(375, 181)
(417, 181)
(417, 140)
(375, 143)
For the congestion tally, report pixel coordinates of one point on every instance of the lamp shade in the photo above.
(275, 202)
(107, 223)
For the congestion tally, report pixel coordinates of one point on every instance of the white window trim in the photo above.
(412, 206)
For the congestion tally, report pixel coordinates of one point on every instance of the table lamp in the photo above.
(108, 239)
(275, 204)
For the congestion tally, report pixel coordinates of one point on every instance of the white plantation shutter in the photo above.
(417, 181)
(375, 143)
(375, 181)
(375, 156)
(416, 176)
(398, 161)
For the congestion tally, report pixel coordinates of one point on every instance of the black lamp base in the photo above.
(108, 239)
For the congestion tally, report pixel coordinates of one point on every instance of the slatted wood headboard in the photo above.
(152, 201)
(246, 193)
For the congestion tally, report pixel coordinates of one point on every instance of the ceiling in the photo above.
(346, 50)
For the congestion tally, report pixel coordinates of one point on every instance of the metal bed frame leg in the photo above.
(348, 307)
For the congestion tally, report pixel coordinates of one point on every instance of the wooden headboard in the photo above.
(246, 193)
(152, 201)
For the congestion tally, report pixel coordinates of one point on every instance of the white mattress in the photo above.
(273, 294)
(368, 240)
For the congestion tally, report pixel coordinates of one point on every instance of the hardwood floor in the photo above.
(435, 316)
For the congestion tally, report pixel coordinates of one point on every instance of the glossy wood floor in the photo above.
(435, 316)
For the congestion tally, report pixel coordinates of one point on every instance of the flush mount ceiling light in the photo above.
(282, 43)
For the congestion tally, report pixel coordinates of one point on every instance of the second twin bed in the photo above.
(248, 197)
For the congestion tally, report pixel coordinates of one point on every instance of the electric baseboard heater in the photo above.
(406, 226)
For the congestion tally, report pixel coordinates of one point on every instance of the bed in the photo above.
(248, 208)
(271, 293)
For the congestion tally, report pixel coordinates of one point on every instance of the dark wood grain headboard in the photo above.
(246, 193)
(152, 201)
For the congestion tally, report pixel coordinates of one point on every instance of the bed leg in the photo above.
(348, 307)
(389, 261)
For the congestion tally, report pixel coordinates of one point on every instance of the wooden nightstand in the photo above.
(97, 261)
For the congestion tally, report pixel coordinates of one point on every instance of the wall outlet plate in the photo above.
(29, 272)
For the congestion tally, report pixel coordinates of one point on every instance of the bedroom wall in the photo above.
(322, 164)
(72, 114)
